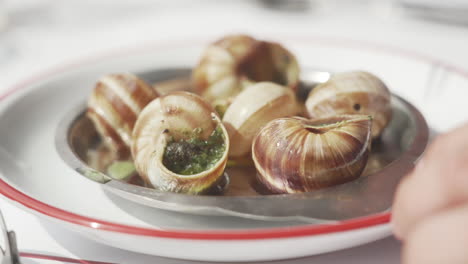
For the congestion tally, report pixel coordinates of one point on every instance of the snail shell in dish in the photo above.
(294, 155)
(180, 144)
(252, 109)
(174, 85)
(230, 64)
(352, 93)
(114, 105)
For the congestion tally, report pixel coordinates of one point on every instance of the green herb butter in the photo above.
(194, 155)
(121, 170)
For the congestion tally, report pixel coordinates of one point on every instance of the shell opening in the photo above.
(321, 126)
(316, 130)
(260, 66)
(194, 155)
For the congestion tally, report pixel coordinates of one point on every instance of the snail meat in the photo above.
(180, 144)
(294, 155)
(352, 93)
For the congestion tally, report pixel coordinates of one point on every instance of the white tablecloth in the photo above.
(54, 32)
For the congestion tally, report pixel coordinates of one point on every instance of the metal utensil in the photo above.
(454, 12)
(393, 156)
(8, 247)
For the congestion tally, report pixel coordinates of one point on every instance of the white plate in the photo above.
(35, 177)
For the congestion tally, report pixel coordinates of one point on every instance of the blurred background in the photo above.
(38, 34)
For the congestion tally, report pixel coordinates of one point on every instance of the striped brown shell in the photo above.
(170, 117)
(352, 93)
(252, 109)
(230, 64)
(114, 105)
(294, 155)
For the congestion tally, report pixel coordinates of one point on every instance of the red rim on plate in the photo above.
(246, 234)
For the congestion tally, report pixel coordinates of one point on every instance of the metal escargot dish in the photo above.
(162, 140)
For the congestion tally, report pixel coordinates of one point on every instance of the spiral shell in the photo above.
(352, 93)
(252, 109)
(294, 155)
(168, 118)
(114, 105)
(234, 62)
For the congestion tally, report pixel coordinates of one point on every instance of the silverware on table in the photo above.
(455, 12)
(9, 249)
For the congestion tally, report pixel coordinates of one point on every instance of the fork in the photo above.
(8, 247)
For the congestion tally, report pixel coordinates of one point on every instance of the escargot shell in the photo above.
(352, 93)
(174, 85)
(252, 109)
(114, 105)
(294, 155)
(174, 117)
(229, 65)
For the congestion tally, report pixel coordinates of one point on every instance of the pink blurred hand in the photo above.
(430, 212)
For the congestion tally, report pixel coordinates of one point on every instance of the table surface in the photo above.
(49, 33)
